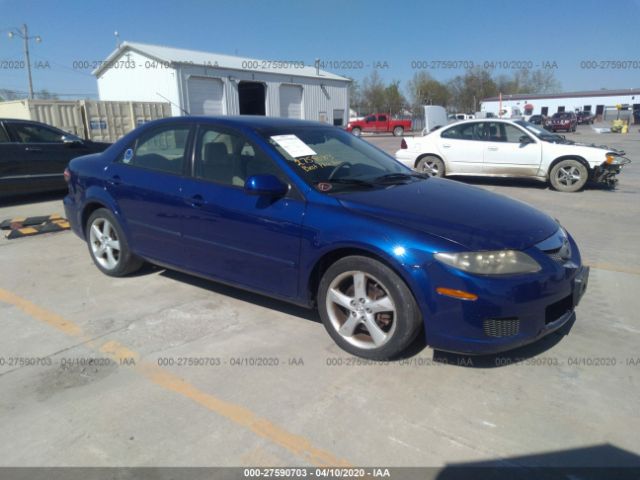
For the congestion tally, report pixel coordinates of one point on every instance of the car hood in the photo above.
(470, 216)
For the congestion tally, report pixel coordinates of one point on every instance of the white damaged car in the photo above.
(511, 148)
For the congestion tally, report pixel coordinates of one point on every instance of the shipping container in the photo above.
(88, 119)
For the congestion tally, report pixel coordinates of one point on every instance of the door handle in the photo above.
(115, 180)
(196, 201)
(32, 149)
(446, 145)
(493, 149)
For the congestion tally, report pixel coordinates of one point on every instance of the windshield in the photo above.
(332, 160)
(541, 133)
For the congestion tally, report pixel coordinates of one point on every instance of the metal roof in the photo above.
(585, 93)
(214, 60)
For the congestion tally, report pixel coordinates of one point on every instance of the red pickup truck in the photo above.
(378, 122)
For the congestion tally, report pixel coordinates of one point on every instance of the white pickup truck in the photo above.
(511, 148)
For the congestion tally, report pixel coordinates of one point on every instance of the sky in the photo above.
(352, 37)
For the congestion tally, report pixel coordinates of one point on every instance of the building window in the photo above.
(560, 109)
(587, 108)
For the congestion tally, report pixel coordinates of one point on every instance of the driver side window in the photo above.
(229, 158)
(36, 134)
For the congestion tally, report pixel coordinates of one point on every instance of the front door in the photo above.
(248, 240)
(506, 154)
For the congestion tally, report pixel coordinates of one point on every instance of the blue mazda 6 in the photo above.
(312, 215)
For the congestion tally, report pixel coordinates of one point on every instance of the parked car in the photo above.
(585, 118)
(508, 148)
(309, 214)
(537, 119)
(379, 122)
(33, 156)
(566, 121)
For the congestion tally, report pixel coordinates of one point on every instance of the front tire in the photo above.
(431, 165)
(108, 245)
(367, 308)
(568, 176)
(356, 131)
(398, 131)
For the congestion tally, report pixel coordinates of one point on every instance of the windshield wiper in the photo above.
(349, 181)
(391, 178)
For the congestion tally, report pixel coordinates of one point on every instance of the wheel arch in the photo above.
(332, 256)
(421, 156)
(578, 158)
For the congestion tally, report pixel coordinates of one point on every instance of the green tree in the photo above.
(469, 89)
(425, 90)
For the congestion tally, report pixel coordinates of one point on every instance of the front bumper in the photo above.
(606, 172)
(509, 312)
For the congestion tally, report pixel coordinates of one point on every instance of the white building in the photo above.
(201, 83)
(599, 102)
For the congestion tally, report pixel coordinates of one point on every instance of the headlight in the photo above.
(500, 262)
(613, 159)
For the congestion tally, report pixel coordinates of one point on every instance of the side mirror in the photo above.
(524, 139)
(71, 140)
(267, 185)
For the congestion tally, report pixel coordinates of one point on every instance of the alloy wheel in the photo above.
(105, 245)
(568, 175)
(361, 309)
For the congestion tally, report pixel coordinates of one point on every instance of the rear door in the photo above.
(462, 148)
(147, 181)
(248, 240)
(506, 154)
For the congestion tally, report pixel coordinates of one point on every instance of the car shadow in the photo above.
(236, 293)
(503, 359)
(523, 183)
(589, 463)
(502, 182)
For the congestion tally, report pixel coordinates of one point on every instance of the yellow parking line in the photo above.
(295, 444)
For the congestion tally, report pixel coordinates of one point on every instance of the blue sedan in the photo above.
(312, 215)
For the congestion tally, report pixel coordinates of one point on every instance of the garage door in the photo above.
(291, 101)
(205, 96)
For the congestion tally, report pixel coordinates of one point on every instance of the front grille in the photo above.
(501, 327)
(554, 311)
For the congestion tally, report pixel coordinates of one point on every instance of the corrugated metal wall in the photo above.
(89, 119)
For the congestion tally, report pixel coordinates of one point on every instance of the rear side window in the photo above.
(461, 132)
(161, 150)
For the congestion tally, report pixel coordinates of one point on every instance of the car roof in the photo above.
(256, 122)
(476, 120)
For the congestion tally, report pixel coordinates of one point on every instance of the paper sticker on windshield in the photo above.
(128, 155)
(324, 186)
(293, 145)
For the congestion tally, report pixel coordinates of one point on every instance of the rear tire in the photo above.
(398, 131)
(568, 176)
(108, 245)
(431, 165)
(367, 308)
(356, 131)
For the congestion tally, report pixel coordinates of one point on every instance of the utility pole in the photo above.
(24, 34)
